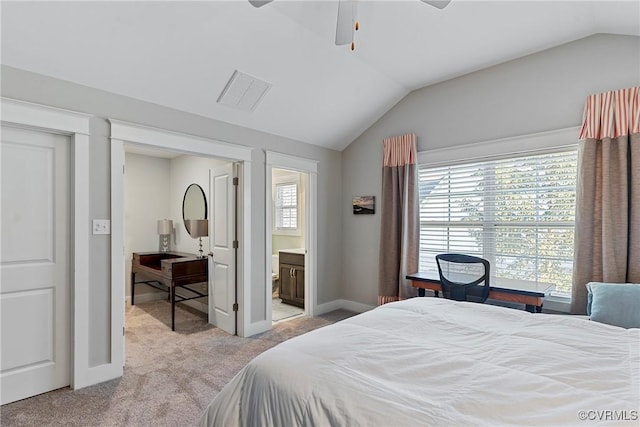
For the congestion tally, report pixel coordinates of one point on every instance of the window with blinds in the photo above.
(518, 213)
(286, 206)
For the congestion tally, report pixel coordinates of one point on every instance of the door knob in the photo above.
(210, 254)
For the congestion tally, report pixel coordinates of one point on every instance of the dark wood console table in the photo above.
(531, 298)
(167, 271)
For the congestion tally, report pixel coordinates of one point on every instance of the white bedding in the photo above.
(428, 361)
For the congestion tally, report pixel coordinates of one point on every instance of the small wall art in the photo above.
(363, 205)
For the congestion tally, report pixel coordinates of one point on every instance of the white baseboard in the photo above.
(358, 307)
(265, 325)
(344, 305)
(197, 305)
(327, 307)
(256, 328)
(146, 297)
(98, 374)
(155, 296)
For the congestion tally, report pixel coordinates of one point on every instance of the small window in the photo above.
(286, 214)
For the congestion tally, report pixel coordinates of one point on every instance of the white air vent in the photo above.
(243, 91)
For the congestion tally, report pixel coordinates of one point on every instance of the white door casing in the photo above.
(75, 125)
(34, 263)
(222, 254)
(310, 168)
(146, 136)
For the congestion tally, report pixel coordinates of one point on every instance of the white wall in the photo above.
(154, 189)
(540, 92)
(146, 201)
(32, 87)
(187, 170)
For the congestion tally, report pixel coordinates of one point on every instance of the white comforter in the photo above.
(435, 362)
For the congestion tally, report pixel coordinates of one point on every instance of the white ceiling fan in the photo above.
(347, 22)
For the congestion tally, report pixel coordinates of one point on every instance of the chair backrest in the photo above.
(463, 277)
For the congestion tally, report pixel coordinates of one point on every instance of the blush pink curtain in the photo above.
(399, 232)
(607, 236)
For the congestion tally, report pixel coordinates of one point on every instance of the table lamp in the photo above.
(165, 229)
(199, 228)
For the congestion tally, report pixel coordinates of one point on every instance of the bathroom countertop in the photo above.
(293, 251)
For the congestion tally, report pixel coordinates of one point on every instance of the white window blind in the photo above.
(287, 206)
(517, 213)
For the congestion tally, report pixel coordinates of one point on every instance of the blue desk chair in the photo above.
(463, 277)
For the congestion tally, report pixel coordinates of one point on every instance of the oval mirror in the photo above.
(194, 205)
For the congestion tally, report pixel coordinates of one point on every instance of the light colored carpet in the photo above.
(169, 377)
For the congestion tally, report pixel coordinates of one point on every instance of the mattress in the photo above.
(431, 361)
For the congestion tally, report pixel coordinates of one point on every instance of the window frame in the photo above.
(506, 148)
(287, 179)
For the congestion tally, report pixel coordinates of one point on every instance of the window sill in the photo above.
(557, 303)
(292, 233)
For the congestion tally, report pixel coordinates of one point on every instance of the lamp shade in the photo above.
(198, 228)
(165, 226)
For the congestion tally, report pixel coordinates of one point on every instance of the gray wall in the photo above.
(540, 92)
(146, 200)
(187, 170)
(27, 86)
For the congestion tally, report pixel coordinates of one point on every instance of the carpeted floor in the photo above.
(169, 377)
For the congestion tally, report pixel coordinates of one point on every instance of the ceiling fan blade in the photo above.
(344, 25)
(259, 3)
(440, 4)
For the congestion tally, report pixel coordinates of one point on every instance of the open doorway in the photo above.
(298, 264)
(240, 158)
(288, 243)
(164, 190)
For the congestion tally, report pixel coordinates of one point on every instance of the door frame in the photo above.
(75, 125)
(211, 256)
(130, 133)
(309, 167)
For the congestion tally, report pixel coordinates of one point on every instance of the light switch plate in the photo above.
(101, 226)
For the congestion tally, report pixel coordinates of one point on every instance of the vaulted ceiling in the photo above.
(181, 54)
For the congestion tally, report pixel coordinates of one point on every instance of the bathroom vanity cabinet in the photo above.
(292, 278)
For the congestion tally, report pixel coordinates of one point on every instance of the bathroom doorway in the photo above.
(306, 278)
(288, 243)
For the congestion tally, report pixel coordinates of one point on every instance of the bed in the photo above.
(430, 361)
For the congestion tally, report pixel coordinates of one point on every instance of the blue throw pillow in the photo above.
(615, 304)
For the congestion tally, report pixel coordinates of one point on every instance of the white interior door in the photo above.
(34, 263)
(222, 255)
